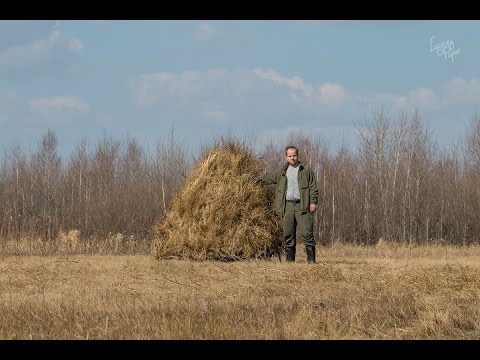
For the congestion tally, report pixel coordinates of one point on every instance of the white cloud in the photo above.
(54, 36)
(271, 105)
(59, 103)
(75, 45)
(38, 51)
(388, 101)
(327, 94)
(295, 83)
(204, 32)
(463, 91)
(153, 88)
(332, 94)
(216, 97)
(216, 116)
(25, 55)
(457, 92)
(424, 98)
(202, 85)
(150, 89)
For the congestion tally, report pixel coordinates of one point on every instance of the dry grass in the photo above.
(354, 292)
(73, 243)
(222, 212)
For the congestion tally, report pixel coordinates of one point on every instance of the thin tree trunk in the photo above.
(333, 212)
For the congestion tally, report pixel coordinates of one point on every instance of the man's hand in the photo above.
(313, 208)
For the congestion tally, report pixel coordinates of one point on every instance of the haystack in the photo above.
(222, 212)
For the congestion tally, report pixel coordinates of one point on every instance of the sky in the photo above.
(253, 79)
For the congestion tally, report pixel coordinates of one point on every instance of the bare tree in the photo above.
(46, 173)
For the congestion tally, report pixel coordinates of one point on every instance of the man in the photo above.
(296, 199)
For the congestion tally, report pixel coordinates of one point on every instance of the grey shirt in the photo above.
(292, 183)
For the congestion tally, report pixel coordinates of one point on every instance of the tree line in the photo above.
(397, 184)
(115, 187)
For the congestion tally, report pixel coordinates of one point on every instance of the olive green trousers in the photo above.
(295, 222)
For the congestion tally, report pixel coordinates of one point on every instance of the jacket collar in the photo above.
(285, 166)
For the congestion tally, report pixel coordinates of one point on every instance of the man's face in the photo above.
(292, 156)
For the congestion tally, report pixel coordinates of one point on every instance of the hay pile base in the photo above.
(222, 212)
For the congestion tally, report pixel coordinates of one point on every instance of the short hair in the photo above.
(290, 147)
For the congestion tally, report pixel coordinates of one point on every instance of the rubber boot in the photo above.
(310, 254)
(290, 254)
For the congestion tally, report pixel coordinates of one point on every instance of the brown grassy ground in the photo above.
(354, 292)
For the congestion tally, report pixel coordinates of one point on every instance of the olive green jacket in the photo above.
(307, 184)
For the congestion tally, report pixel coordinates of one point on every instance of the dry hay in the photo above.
(221, 212)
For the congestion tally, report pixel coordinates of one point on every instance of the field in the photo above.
(353, 292)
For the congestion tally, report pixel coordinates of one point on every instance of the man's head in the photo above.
(291, 154)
